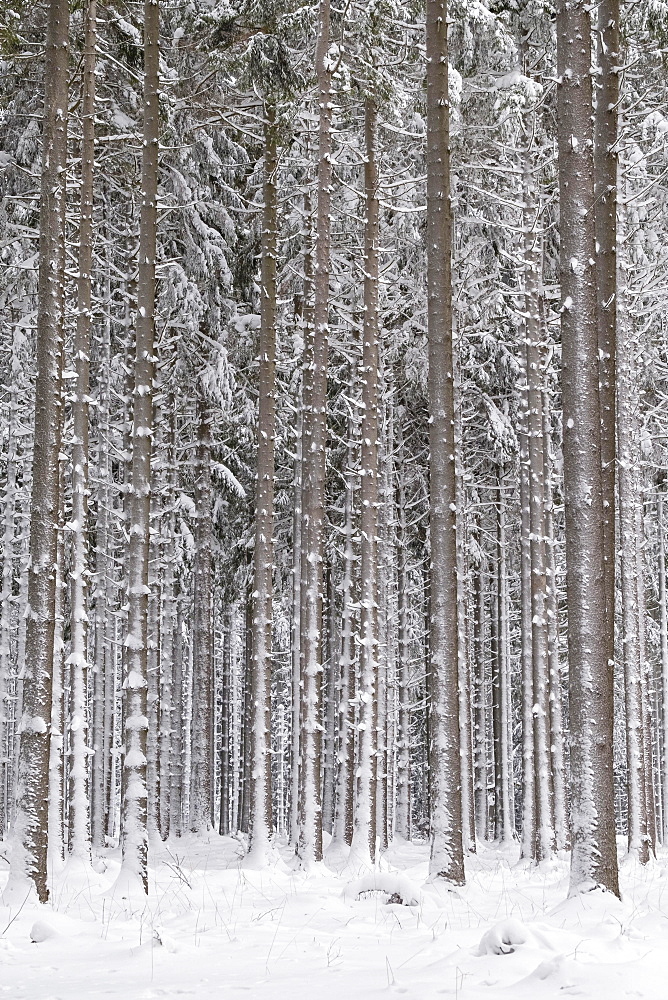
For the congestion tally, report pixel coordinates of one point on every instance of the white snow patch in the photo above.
(397, 888)
(509, 932)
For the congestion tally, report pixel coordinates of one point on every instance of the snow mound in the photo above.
(41, 931)
(337, 856)
(556, 973)
(398, 888)
(504, 938)
(595, 910)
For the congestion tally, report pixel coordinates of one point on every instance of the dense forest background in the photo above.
(289, 504)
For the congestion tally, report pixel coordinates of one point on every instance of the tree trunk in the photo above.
(345, 782)
(57, 789)
(168, 620)
(503, 817)
(605, 201)
(646, 684)
(534, 363)
(556, 742)
(104, 650)
(78, 658)
(263, 559)
(295, 643)
(153, 665)
(402, 823)
(364, 836)
(201, 766)
(628, 443)
(299, 535)
(528, 838)
(177, 745)
(8, 556)
(330, 690)
(663, 624)
(166, 712)
(246, 717)
(446, 856)
(226, 731)
(313, 457)
(463, 646)
(386, 618)
(134, 835)
(480, 696)
(24, 562)
(594, 852)
(29, 857)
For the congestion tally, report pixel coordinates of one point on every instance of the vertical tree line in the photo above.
(332, 444)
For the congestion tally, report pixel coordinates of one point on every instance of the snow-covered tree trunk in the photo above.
(9, 505)
(202, 762)
(528, 837)
(606, 112)
(57, 789)
(263, 556)
(29, 855)
(496, 655)
(167, 626)
(134, 833)
(24, 562)
(594, 852)
(78, 658)
(402, 821)
(103, 695)
(386, 637)
(480, 692)
(503, 813)
(663, 625)
(188, 735)
(556, 740)
(295, 643)
(246, 717)
(177, 741)
(364, 836)
(226, 726)
(313, 458)
(298, 532)
(153, 657)
(446, 855)
(345, 780)
(534, 365)
(647, 680)
(628, 454)
(330, 704)
(504, 638)
(464, 687)
(113, 725)
(465, 708)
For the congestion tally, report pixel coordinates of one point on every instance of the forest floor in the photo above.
(212, 929)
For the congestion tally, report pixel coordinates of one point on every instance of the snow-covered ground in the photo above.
(211, 929)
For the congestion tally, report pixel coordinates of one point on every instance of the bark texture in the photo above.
(446, 856)
(29, 855)
(364, 836)
(594, 853)
(263, 557)
(313, 485)
(134, 833)
(202, 763)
